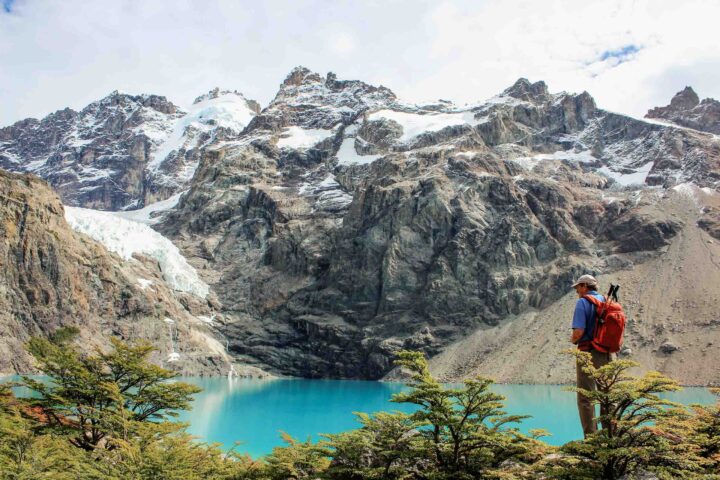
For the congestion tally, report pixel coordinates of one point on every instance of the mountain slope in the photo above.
(671, 300)
(343, 224)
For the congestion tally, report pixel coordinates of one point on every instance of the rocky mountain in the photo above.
(670, 296)
(54, 277)
(342, 224)
(124, 151)
(687, 110)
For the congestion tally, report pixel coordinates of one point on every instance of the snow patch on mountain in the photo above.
(636, 177)
(126, 237)
(300, 138)
(35, 165)
(228, 110)
(414, 124)
(701, 196)
(330, 195)
(347, 153)
(530, 162)
(502, 100)
(11, 157)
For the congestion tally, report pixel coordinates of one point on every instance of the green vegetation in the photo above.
(640, 431)
(110, 415)
(102, 396)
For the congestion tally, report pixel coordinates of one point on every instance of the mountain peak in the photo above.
(214, 93)
(687, 110)
(308, 99)
(523, 89)
(120, 98)
(300, 75)
(685, 99)
(217, 93)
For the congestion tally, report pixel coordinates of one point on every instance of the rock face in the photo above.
(344, 225)
(124, 151)
(53, 277)
(687, 110)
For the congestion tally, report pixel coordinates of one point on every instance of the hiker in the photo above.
(583, 326)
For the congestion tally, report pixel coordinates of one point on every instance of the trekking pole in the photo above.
(601, 313)
(610, 293)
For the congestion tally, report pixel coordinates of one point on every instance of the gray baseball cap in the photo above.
(588, 280)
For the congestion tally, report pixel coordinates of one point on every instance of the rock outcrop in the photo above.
(670, 297)
(687, 110)
(52, 277)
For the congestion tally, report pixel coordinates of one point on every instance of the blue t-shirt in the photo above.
(584, 316)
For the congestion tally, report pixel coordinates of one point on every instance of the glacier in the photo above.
(126, 237)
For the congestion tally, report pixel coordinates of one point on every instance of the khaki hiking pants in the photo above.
(586, 408)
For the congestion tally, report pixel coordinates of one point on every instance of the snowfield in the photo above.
(347, 155)
(530, 162)
(126, 237)
(145, 214)
(228, 110)
(414, 124)
(625, 179)
(298, 137)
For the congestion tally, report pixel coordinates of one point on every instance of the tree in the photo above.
(701, 433)
(27, 455)
(163, 450)
(706, 434)
(115, 406)
(100, 394)
(386, 447)
(634, 438)
(297, 460)
(464, 430)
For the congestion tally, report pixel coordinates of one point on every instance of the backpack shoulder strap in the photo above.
(593, 300)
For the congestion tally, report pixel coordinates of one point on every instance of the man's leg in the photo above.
(600, 359)
(586, 408)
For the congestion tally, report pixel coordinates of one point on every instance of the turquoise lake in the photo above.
(254, 412)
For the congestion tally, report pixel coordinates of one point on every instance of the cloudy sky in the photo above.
(630, 55)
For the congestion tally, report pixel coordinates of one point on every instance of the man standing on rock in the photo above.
(583, 327)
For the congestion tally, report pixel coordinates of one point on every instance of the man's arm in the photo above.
(577, 334)
(578, 322)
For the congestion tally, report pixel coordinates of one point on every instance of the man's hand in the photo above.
(577, 334)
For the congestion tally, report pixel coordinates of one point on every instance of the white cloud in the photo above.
(69, 53)
(617, 50)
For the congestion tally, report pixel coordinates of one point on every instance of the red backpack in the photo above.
(609, 322)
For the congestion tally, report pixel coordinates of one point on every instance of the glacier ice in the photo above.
(126, 237)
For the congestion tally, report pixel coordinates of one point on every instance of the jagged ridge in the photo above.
(123, 151)
(687, 110)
